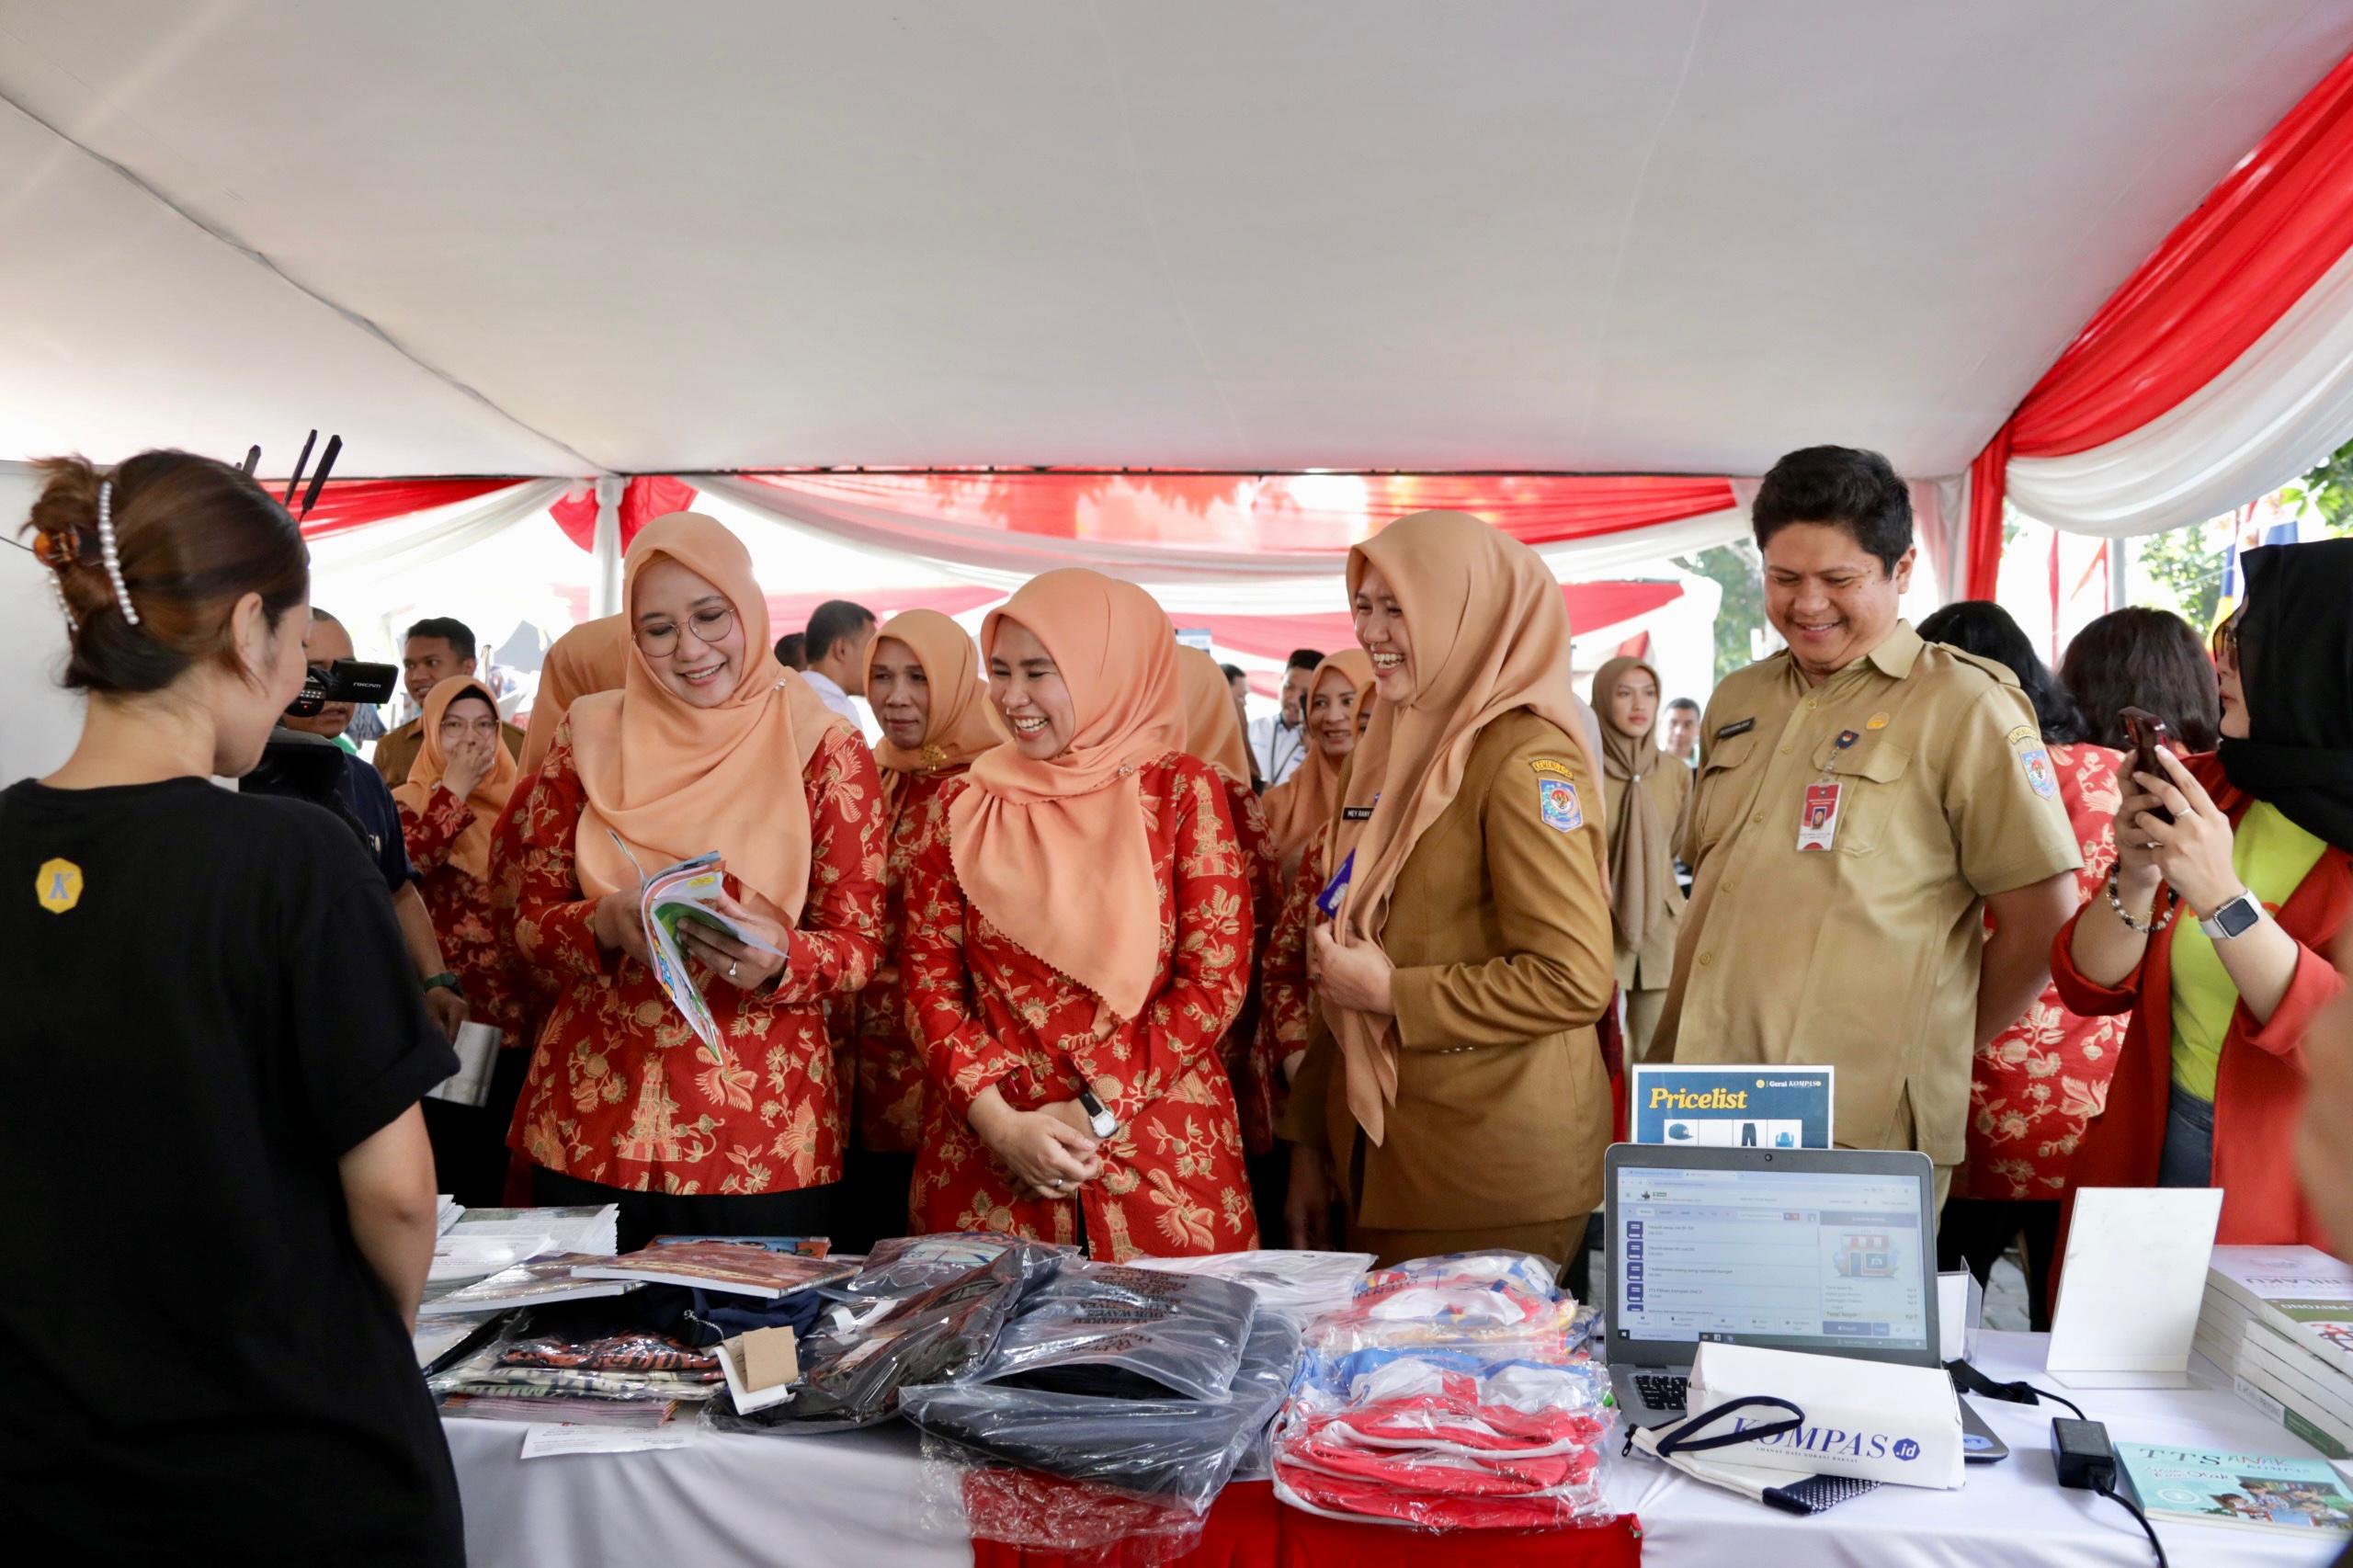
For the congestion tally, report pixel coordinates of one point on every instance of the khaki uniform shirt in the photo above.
(1652, 966)
(1501, 935)
(1863, 956)
(396, 753)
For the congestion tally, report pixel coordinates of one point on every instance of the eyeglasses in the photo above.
(2225, 640)
(709, 625)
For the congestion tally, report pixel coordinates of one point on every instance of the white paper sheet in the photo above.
(550, 1442)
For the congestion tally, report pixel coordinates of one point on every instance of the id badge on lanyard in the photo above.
(1818, 816)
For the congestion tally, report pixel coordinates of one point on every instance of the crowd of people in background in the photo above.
(1066, 944)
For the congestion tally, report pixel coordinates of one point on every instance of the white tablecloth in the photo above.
(855, 1500)
(2013, 1512)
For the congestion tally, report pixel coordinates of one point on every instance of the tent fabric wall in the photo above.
(2220, 369)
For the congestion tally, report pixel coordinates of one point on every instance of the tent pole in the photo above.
(2118, 572)
(607, 600)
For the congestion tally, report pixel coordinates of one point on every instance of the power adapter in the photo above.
(2083, 1454)
(2086, 1461)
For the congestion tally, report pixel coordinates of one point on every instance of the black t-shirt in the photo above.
(208, 1005)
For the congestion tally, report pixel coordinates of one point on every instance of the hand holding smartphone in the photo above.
(2147, 731)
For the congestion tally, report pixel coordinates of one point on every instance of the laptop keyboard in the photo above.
(1662, 1391)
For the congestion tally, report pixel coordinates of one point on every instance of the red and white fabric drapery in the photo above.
(2220, 370)
(1224, 544)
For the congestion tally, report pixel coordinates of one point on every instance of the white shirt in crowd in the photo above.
(1279, 747)
(842, 702)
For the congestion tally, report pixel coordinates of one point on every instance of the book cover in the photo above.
(801, 1246)
(736, 1267)
(2301, 1291)
(536, 1282)
(2210, 1486)
(686, 890)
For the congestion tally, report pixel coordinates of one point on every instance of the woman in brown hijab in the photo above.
(1646, 799)
(1453, 1089)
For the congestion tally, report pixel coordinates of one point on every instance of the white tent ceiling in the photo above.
(544, 236)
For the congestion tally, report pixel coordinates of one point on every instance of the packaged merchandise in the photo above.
(1501, 1299)
(1123, 1332)
(1078, 1471)
(739, 1268)
(1446, 1439)
(1302, 1286)
(626, 1352)
(855, 1379)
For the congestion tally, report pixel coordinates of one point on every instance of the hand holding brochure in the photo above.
(687, 891)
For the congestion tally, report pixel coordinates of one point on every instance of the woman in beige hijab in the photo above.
(1646, 801)
(1453, 1092)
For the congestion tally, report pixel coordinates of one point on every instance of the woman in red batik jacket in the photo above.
(922, 679)
(709, 745)
(454, 794)
(1079, 927)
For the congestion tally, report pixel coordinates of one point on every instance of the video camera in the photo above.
(346, 680)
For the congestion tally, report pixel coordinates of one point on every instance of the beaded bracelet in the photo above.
(2157, 922)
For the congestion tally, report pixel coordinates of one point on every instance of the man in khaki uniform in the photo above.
(1863, 800)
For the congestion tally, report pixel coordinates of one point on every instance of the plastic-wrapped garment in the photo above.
(1499, 1298)
(526, 1405)
(1446, 1439)
(1302, 1286)
(908, 1266)
(854, 1380)
(663, 1386)
(1078, 1471)
(1120, 1333)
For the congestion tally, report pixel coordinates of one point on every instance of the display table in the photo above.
(856, 1501)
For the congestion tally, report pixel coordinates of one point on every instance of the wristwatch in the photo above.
(1098, 1115)
(2236, 918)
(445, 980)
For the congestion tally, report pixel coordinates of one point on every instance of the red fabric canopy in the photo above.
(646, 497)
(1287, 514)
(1592, 605)
(2224, 276)
(348, 503)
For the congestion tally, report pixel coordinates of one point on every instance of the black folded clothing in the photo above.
(1101, 1330)
(1165, 1445)
(854, 1380)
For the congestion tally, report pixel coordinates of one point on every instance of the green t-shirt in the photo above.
(2272, 856)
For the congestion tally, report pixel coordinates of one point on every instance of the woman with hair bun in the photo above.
(215, 1050)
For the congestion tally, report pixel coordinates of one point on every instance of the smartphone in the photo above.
(2147, 731)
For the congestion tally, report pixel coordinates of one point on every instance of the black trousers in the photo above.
(873, 1206)
(1976, 1232)
(470, 1141)
(810, 1211)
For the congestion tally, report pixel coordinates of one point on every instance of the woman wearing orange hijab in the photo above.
(923, 680)
(1454, 1089)
(1301, 807)
(1298, 812)
(455, 791)
(1079, 929)
(707, 745)
(592, 656)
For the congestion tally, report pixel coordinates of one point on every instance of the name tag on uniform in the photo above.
(1729, 731)
(1818, 822)
(1356, 814)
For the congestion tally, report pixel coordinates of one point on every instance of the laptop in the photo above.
(1829, 1251)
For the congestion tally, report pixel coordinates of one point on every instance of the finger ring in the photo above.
(731, 968)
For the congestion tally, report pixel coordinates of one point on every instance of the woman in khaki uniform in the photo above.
(1453, 1093)
(1647, 792)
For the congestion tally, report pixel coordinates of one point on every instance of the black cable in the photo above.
(2113, 1496)
(2057, 1399)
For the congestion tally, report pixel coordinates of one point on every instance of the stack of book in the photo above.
(2280, 1321)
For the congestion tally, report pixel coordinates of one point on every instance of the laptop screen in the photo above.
(1794, 1260)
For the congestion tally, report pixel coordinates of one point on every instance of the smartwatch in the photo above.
(1098, 1115)
(2236, 918)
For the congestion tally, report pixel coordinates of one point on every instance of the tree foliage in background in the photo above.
(2327, 490)
(1737, 569)
(2187, 565)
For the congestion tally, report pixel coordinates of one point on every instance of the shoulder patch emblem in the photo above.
(1547, 765)
(58, 885)
(2035, 758)
(1557, 800)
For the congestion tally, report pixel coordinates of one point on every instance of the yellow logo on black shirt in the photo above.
(58, 885)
